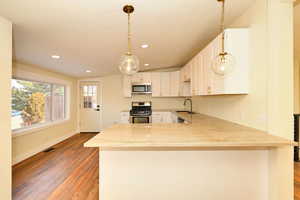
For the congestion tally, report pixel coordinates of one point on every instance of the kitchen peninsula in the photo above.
(205, 158)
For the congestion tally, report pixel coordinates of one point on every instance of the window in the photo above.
(35, 103)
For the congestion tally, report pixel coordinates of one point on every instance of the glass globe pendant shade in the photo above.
(223, 64)
(129, 64)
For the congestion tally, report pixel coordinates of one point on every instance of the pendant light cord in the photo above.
(223, 26)
(129, 35)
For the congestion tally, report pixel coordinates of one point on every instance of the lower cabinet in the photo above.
(124, 118)
(164, 117)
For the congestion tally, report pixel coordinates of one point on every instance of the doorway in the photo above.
(90, 106)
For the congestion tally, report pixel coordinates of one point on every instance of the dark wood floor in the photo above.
(69, 172)
(297, 180)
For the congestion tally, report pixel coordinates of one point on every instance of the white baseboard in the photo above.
(41, 148)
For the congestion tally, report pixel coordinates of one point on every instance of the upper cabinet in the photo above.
(185, 73)
(156, 84)
(205, 82)
(141, 78)
(196, 78)
(166, 84)
(175, 84)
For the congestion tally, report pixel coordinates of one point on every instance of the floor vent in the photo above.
(49, 150)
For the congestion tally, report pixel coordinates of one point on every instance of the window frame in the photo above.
(47, 80)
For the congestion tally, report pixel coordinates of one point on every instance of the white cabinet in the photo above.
(196, 77)
(163, 117)
(185, 73)
(174, 118)
(124, 118)
(205, 82)
(126, 86)
(157, 117)
(174, 83)
(237, 43)
(165, 86)
(142, 77)
(155, 79)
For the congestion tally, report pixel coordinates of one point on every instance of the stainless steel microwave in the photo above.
(141, 88)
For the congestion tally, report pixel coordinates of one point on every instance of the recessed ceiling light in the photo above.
(144, 46)
(55, 56)
(146, 64)
(88, 71)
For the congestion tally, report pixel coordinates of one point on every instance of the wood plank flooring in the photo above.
(68, 172)
(297, 180)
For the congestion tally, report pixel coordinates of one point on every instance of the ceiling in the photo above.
(92, 34)
(297, 30)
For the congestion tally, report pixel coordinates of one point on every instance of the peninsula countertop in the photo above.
(201, 131)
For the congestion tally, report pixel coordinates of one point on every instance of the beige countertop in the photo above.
(202, 131)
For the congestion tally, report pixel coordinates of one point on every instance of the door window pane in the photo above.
(90, 96)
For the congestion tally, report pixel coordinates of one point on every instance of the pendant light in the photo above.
(129, 63)
(224, 63)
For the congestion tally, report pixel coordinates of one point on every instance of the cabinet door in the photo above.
(217, 81)
(207, 72)
(167, 117)
(237, 44)
(165, 84)
(126, 86)
(137, 78)
(124, 118)
(202, 74)
(187, 71)
(175, 82)
(146, 76)
(155, 79)
(195, 77)
(157, 117)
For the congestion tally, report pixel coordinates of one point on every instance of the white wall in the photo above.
(5, 108)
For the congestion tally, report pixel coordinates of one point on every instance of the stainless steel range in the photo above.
(141, 112)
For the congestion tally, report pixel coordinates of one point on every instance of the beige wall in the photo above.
(269, 105)
(29, 144)
(114, 102)
(5, 106)
(296, 86)
(250, 110)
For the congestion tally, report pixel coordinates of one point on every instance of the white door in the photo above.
(90, 107)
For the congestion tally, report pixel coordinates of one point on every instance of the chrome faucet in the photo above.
(191, 104)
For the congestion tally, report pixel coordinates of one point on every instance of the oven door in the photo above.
(140, 119)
